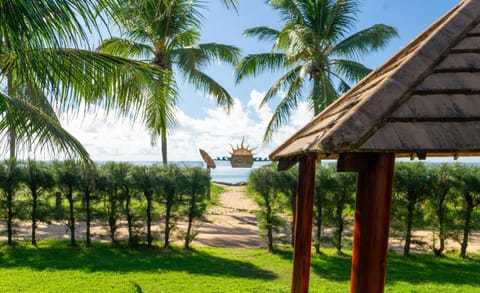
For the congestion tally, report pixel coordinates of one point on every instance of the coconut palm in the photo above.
(165, 34)
(314, 51)
(36, 63)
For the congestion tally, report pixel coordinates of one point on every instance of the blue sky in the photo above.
(200, 124)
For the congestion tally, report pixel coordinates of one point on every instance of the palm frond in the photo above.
(27, 24)
(38, 130)
(209, 86)
(252, 65)
(365, 41)
(76, 76)
(231, 4)
(284, 108)
(283, 83)
(351, 70)
(125, 48)
(340, 18)
(290, 10)
(204, 54)
(262, 33)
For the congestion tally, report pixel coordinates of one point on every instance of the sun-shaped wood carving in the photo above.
(241, 156)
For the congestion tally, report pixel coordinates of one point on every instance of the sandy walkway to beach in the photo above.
(232, 223)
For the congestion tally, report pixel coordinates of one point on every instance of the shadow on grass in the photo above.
(415, 269)
(101, 257)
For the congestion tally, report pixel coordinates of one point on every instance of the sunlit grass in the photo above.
(55, 267)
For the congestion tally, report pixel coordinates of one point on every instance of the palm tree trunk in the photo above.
(164, 146)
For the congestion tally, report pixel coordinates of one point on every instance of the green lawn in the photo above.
(54, 267)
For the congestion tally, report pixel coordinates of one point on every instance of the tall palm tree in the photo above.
(165, 34)
(316, 53)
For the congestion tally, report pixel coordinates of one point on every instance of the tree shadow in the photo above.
(103, 258)
(414, 269)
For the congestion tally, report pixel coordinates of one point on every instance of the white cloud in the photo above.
(108, 138)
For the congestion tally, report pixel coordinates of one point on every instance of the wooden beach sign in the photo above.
(207, 159)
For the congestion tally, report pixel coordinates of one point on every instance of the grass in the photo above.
(55, 267)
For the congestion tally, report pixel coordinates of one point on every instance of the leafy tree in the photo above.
(167, 33)
(11, 177)
(127, 193)
(67, 181)
(286, 182)
(197, 182)
(109, 180)
(145, 179)
(411, 188)
(442, 183)
(38, 179)
(341, 188)
(262, 182)
(323, 184)
(467, 182)
(313, 47)
(171, 183)
(87, 189)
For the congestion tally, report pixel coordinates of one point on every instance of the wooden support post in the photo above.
(303, 224)
(372, 218)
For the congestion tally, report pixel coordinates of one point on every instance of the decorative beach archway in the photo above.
(424, 101)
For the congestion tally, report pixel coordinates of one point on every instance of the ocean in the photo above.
(223, 171)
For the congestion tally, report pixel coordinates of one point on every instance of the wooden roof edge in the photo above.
(402, 80)
(414, 154)
(425, 37)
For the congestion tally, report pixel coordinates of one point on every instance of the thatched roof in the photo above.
(424, 100)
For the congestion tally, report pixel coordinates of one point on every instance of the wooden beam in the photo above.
(372, 219)
(303, 224)
(285, 164)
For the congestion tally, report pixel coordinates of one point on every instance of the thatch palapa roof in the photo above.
(424, 100)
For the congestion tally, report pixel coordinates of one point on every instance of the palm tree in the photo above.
(315, 51)
(165, 34)
(36, 64)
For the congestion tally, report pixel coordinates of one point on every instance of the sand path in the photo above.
(230, 224)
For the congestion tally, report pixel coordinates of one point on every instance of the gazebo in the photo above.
(424, 101)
